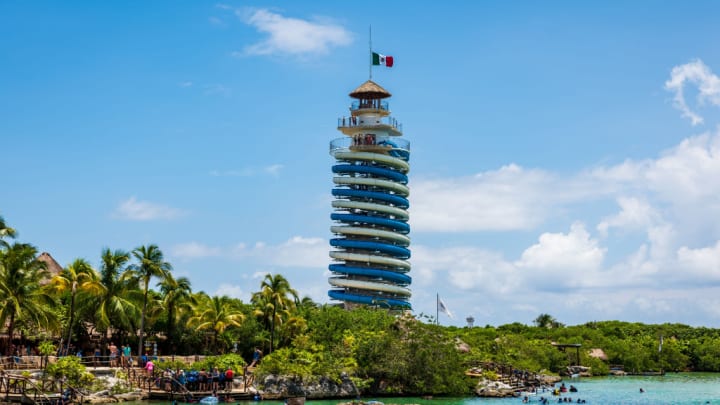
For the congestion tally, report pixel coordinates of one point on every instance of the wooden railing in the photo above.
(38, 391)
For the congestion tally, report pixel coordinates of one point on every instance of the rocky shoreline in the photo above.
(497, 389)
(326, 388)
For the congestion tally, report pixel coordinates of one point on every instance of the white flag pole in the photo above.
(370, 46)
(437, 309)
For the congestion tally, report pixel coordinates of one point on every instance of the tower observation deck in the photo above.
(370, 244)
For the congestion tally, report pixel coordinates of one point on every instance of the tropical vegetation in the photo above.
(133, 298)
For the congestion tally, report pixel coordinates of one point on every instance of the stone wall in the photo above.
(313, 388)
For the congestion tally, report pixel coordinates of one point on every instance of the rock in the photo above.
(461, 346)
(314, 388)
(582, 371)
(100, 400)
(548, 380)
(493, 389)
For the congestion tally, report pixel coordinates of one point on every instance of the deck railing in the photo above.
(370, 104)
(359, 122)
(360, 140)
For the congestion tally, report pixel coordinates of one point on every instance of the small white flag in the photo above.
(443, 308)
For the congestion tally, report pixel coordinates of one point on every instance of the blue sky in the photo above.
(565, 155)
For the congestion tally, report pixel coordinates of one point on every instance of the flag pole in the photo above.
(370, 53)
(437, 309)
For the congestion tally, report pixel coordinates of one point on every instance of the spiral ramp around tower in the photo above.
(371, 242)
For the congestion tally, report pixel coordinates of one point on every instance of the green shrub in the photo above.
(69, 367)
(231, 360)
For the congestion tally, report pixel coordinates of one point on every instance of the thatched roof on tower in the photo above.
(52, 265)
(370, 90)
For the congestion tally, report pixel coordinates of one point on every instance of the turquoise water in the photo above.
(674, 388)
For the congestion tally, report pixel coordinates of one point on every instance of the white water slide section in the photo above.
(356, 230)
(364, 258)
(369, 285)
(401, 189)
(356, 205)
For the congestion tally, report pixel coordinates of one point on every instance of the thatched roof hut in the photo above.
(52, 265)
(598, 354)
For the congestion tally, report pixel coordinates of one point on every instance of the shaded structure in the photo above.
(577, 347)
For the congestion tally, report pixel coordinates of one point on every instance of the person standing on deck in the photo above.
(113, 353)
(126, 355)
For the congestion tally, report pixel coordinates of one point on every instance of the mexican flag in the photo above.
(384, 60)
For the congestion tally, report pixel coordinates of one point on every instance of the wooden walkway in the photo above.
(18, 388)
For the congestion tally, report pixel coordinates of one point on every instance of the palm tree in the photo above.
(77, 278)
(216, 314)
(547, 321)
(176, 296)
(150, 264)
(274, 302)
(21, 292)
(5, 231)
(115, 306)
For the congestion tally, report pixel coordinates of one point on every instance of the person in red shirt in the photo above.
(229, 379)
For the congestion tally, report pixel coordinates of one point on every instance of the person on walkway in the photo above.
(203, 380)
(113, 354)
(96, 356)
(215, 379)
(149, 367)
(257, 356)
(123, 360)
(126, 356)
(229, 375)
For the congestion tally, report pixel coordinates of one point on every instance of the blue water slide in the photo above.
(395, 151)
(395, 251)
(374, 170)
(399, 226)
(400, 153)
(401, 278)
(368, 300)
(393, 199)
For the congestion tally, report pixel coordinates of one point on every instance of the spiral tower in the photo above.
(370, 244)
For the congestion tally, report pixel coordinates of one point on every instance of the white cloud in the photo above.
(699, 74)
(135, 210)
(292, 36)
(683, 181)
(687, 172)
(230, 290)
(703, 262)
(634, 214)
(465, 267)
(186, 83)
(510, 198)
(194, 250)
(259, 275)
(273, 170)
(575, 250)
(298, 251)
